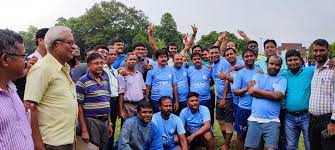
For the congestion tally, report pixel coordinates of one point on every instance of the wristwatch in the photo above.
(332, 121)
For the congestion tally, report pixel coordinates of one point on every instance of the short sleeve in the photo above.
(182, 117)
(35, 89)
(122, 84)
(81, 92)
(180, 126)
(174, 78)
(148, 80)
(205, 114)
(237, 81)
(281, 86)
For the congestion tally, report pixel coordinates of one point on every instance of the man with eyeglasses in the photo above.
(14, 122)
(142, 64)
(50, 93)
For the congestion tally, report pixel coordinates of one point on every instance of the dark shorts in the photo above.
(225, 114)
(241, 121)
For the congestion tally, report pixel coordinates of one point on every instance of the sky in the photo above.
(296, 21)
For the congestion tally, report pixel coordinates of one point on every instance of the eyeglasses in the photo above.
(71, 43)
(19, 55)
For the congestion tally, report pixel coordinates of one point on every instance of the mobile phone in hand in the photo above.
(325, 134)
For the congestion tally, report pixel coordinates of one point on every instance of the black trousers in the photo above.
(316, 125)
(114, 114)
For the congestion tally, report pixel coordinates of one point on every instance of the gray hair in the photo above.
(8, 38)
(54, 34)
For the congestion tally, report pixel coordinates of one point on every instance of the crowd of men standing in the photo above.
(166, 101)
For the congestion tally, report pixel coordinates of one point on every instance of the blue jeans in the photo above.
(293, 126)
(269, 132)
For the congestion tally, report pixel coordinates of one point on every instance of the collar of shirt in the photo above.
(290, 72)
(56, 64)
(11, 87)
(91, 78)
(325, 65)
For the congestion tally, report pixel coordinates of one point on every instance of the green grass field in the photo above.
(218, 137)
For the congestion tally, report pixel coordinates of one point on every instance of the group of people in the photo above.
(167, 101)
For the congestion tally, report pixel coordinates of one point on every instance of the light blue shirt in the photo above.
(182, 83)
(161, 81)
(298, 89)
(263, 65)
(169, 128)
(118, 61)
(224, 67)
(267, 108)
(242, 79)
(199, 82)
(194, 121)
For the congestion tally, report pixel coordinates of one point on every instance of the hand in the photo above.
(331, 129)
(39, 145)
(122, 115)
(150, 28)
(146, 64)
(259, 72)
(184, 36)
(176, 106)
(225, 36)
(85, 136)
(190, 139)
(222, 102)
(194, 29)
(223, 76)
(241, 33)
(110, 130)
(232, 69)
(123, 71)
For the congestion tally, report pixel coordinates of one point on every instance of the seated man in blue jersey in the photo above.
(240, 88)
(197, 122)
(161, 81)
(267, 91)
(139, 132)
(170, 125)
(93, 97)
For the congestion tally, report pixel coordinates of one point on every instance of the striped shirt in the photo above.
(15, 131)
(322, 100)
(93, 96)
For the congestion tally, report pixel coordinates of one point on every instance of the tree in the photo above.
(167, 30)
(29, 38)
(104, 22)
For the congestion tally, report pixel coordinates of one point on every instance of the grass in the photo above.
(218, 137)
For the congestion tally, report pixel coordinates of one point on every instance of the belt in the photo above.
(131, 102)
(320, 117)
(299, 113)
(101, 118)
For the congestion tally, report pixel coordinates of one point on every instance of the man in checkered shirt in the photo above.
(322, 100)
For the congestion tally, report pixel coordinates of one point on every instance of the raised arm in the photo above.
(224, 42)
(244, 36)
(151, 37)
(191, 41)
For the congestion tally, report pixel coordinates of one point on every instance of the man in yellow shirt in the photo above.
(50, 94)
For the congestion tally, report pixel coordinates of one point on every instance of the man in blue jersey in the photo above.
(298, 92)
(170, 125)
(240, 88)
(267, 91)
(182, 81)
(196, 119)
(200, 80)
(161, 81)
(140, 132)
